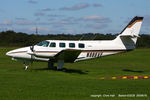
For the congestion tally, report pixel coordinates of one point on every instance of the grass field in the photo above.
(79, 82)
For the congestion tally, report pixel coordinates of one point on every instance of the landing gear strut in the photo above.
(60, 64)
(50, 65)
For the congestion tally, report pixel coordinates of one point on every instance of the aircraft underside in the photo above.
(60, 62)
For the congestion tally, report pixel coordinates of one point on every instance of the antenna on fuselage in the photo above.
(94, 37)
(81, 37)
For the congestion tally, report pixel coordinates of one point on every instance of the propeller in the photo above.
(32, 48)
(32, 55)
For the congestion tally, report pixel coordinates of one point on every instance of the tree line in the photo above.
(13, 39)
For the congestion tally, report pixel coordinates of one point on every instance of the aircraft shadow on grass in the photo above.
(135, 71)
(65, 70)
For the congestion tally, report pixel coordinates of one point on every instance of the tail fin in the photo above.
(133, 28)
(130, 33)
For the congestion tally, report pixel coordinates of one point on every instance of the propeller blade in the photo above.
(32, 48)
(32, 55)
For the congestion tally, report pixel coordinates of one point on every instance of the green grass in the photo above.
(79, 82)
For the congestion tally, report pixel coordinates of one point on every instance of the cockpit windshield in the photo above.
(43, 43)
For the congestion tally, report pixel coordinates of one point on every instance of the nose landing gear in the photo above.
(26, 65)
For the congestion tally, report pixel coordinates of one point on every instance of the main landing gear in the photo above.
(51, 65)
(60, 64)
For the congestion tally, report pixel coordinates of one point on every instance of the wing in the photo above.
(68, 55)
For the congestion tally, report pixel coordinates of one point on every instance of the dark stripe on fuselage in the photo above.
(93, 51)
(83, 51)
(107, 51)
(46, 51)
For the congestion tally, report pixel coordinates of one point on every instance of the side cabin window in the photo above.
(81, 45)
(62, 45)
(52, 44)
(43, 43)
(72, 45)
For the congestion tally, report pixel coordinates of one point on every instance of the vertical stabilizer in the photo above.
(128, 37)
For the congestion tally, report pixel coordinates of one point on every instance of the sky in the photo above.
(72, 16)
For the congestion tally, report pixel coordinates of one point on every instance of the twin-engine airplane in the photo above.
(61, 51)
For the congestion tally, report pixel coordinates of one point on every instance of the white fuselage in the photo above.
(91, 49)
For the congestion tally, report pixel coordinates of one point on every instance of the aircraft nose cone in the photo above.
(8, 53)
(17, 52)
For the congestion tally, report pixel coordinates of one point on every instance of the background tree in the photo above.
(11, 38)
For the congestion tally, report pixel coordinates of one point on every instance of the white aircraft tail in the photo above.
(128, 37)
